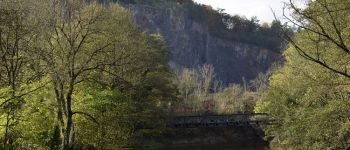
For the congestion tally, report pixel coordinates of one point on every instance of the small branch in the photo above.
(6, 101)
(87, 115)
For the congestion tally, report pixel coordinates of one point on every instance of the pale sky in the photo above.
(249, 8)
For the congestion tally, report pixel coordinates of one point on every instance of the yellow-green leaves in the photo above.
(309, 95)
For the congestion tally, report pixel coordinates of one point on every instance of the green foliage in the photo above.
(31, 127)
(201, 93)
(195, 86)
(235, 99)
(309, 101)
(229, 100)
(111, 126)
(248, 31)
(93, 71)
(310, 114)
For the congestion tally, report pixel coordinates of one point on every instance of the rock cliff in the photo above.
(191, 44)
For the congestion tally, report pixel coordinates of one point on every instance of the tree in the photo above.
(16, 35)
(323, 26)
(79, 39)
(195, 86)
(106, 77)
(229, 99)
(310, 105)
(114, 125)
(308, 97)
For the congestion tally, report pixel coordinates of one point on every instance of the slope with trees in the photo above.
(309, 95)
(223, 25)
(77, 74)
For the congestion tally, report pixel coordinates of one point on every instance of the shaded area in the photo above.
(214, 138)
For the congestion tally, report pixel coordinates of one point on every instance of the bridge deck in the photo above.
(196, 121)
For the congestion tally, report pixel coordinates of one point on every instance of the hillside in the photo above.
(238, 48)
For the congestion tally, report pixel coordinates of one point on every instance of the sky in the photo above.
(249, 8)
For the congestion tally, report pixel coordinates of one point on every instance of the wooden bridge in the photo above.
(198, 121)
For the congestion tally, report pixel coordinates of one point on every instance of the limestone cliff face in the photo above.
(192, 45)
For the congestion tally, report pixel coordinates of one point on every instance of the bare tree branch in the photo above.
(24, 94)
(87, 115)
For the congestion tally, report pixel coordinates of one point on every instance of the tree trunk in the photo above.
(69, 137)
(55, 145)
(6, 139)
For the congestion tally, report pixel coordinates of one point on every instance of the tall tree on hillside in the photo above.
(80, 39)
(100, 66)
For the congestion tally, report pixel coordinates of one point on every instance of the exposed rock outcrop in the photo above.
(191, 45)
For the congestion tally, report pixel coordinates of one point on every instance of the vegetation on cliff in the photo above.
(226, 26)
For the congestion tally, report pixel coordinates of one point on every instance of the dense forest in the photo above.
(78, 74)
